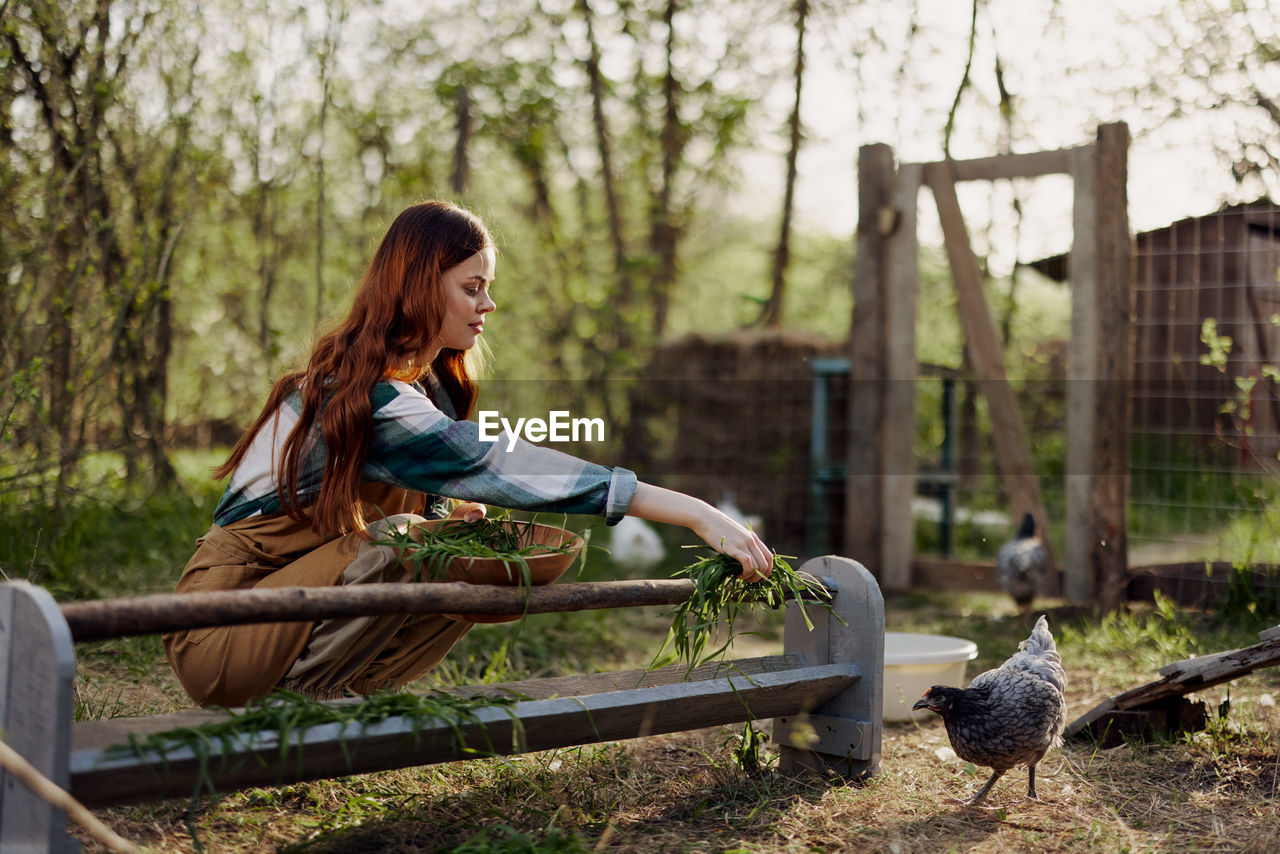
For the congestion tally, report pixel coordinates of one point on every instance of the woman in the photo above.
(364, 440)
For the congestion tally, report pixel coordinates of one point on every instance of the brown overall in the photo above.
(229, 665)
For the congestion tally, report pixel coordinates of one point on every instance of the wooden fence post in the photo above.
(864, 454)
(37, 664)
(842, 736)
(897, 542)
(1100, 367)
(1109, 544)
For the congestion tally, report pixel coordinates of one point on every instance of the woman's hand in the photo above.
(729, 537)
(718, 530)
(468, 511)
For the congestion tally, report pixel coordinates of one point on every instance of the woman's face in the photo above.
(466, 300)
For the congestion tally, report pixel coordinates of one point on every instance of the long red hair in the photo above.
(395, 316)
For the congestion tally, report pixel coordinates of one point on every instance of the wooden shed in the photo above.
(1223, 266)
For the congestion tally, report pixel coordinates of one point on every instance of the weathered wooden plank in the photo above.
(36, 673)
(104, 733)
(332, 750)
(1013, 454)
(1268, 634)
(1006, 166)
(1187, 677)
(852, 632)
(1198, 665)
(173, 611)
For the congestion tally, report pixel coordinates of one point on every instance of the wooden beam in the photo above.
(1013, 455)
(1099, 371)
(1081, 370)
(331, 750)
(1109, 489)
(901, 372)
(102, 734)
(864, 451)
(167, 612)
(1007, 166)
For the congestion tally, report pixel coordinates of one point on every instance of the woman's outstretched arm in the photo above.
(715, 528)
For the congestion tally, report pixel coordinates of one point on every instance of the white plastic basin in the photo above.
(913, 663)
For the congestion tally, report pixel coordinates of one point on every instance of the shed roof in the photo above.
(1261, 214)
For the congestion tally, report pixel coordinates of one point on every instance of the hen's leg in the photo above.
(986, 787)
(1031, 783)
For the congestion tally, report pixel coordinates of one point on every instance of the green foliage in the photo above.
(103, 547)
(746, 749)
(1252, 592)
(24, 392)
(1152, 638)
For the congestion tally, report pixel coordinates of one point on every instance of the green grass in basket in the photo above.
(431, 550)
(720, 594)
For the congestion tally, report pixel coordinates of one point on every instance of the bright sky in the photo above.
(1173, 170)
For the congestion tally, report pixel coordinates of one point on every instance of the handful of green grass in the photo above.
(431, 550)
(719, 596)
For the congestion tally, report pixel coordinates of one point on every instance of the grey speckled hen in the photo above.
(1008, 716)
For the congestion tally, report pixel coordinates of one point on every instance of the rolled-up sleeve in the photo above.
(416, 446)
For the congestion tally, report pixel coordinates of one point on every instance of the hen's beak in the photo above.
(923, 703)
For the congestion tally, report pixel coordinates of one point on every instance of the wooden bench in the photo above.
(824, 693)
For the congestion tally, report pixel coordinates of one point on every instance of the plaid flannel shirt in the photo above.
(416, 446)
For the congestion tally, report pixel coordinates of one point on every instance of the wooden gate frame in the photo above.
(880, 480)
(825, 693)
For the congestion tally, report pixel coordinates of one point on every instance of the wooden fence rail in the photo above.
(824, 693)
(164, 612)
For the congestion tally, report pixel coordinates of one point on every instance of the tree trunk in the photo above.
(461, 167)
(664, 235)
(772, 314)
(625, 296)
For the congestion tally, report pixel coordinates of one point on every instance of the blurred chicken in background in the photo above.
(1022, 565)
(634, 545)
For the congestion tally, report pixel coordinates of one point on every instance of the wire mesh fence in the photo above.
(763, 420)
(1206, 416)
